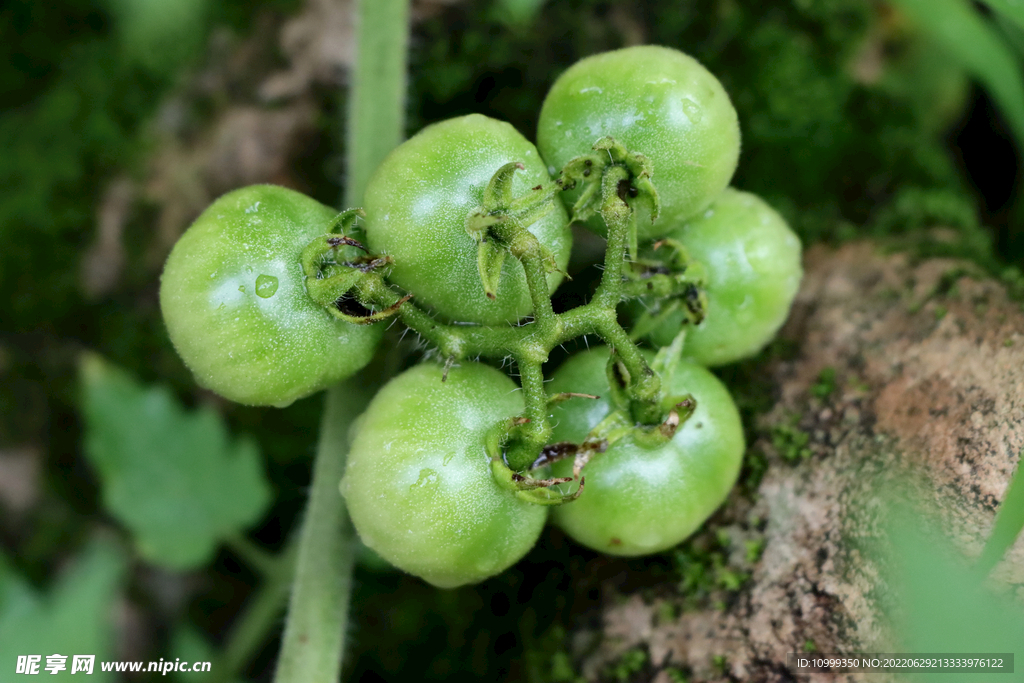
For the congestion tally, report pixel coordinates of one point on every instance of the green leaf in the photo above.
(1011, 9)
(188, 645)
(975, 44)
(938, 601)
(174, 478)
(1009, 522)
(74, 618)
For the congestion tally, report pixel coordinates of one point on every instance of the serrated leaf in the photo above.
(73, 618)
(975, 44)
(174, 478)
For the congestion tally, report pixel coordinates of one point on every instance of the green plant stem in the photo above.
(263, 611)
(529, 344)
(609, 291)
(376, 114)
(314, 635)
(261, 560)
(534, 434)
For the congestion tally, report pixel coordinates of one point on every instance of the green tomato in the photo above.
(234, 301)
(656, 101)
(416, 207)
(637, 500)
(752, 260)
(418, 481)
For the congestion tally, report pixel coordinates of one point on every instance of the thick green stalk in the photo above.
(376, 114)
(314, 635)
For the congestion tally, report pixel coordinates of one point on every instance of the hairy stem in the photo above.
(314, 636)
(263, 611)
(528, 250)
(619, 222)
(535, 433)
(376, 110)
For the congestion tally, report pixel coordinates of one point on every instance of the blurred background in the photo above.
(122, 119)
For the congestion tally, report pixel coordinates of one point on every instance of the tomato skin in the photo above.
(639, 501)
(418, 481)
(753, 264)
(416, 206)
(243, 337)
(656, 101)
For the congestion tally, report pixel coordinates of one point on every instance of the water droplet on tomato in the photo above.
(692, 111)
(428, 477)
(266, 286)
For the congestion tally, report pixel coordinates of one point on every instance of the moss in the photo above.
(754, 549)
(705, 575)
(676, 675)
(547, 661)
(631, 662)
(825, 385)
(790, 441)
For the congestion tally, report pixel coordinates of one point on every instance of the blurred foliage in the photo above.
(75, 617)
(936, 601)
(171, 477)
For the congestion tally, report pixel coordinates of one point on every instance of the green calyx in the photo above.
(352, 284)
(337, 270)
(499, 225)
(610, 176)
(667, 281)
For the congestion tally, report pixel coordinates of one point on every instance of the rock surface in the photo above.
(928, 387)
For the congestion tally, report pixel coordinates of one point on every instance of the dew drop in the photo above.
(692, 111)
(428, 477)
(266, 286)
(241, 288)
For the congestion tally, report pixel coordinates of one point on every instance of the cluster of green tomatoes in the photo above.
(454, 468)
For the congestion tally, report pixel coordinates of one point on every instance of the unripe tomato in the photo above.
(418, 481)
(752, 260)
(416, 207)
(656, 101)
(637, 500)
(234, 301)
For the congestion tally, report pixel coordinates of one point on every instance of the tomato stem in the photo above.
(500, 226)
(312, 646)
